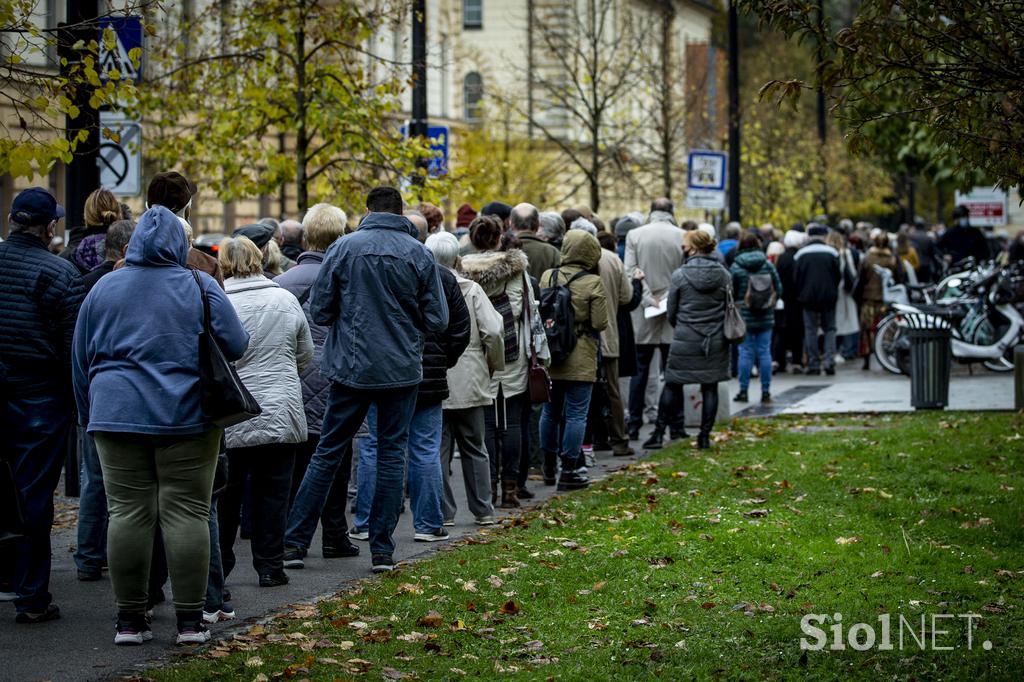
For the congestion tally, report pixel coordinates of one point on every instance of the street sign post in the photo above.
(437, 165)
(128, 31)
(120, 162)
(705, 180)
(987, 206)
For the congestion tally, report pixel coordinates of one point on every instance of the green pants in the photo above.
(164, 480)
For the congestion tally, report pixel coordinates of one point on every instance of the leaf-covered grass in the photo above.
(701, 565)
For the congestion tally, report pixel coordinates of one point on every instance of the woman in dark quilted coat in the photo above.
(699, 353)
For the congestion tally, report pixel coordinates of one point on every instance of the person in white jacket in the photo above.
(263, 448)
(469, 391)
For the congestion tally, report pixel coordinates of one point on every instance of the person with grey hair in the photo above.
(417, 219)
(656, 249)
(322, 225)
(469, 391)
(525, 222)
(291, 239)
(552, 228)
(585, 225)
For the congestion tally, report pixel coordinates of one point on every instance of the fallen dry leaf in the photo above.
(432, 619)
(847, 541)
(509, 608)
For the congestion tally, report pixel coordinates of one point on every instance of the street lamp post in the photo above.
(418, 124)
(734, 114)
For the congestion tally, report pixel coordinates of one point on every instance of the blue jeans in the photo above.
(424, 470)
(215, 580)
(826, 321)
(756, 346)
(346, 408)
(91, 553)
(849, 345)
(566, 414)
(36, 434)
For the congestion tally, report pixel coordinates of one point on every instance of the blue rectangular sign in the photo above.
(706, 170)
(129, 33)
(438, 136)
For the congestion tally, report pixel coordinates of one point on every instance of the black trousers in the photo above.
(332, 519)
(270, 469)
(503, 435)
(671, 405)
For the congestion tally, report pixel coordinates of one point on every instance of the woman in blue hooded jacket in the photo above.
(136, 381)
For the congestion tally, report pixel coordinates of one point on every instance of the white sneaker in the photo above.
(196, 634)
(484, 520)
(359, 535)
(217, 616)
(8, 596)
(128, 637)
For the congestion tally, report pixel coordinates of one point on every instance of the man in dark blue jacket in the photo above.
(39, 298)
(816, 277)
(379, 293)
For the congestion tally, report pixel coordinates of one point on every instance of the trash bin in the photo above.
(931, 359)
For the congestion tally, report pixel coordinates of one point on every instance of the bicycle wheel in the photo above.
(985, 334)
(887, 337)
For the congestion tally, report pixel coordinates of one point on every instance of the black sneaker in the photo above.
(523, 493)
(433, 536)
(766, 397)
(382, 563)
(741, 397)
(813, 372)
(273, 579)
(337, 550)
(293, 558)
(51, 612)
(830, 371)
(652, 443)
(678, 435)
(634, 434)
(572, 479)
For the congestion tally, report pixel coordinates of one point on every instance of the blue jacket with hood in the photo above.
(379, 292)
(136, 346)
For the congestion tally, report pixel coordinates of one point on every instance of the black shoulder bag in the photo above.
(224, 398)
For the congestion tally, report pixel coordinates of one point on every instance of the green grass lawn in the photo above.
(701, 564)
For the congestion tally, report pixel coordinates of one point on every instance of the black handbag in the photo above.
(224, 398)
(12, 514)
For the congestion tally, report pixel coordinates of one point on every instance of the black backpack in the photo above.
(556, 313)
(761, 294)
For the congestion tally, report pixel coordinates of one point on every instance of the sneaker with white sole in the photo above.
(218, 615)
(433, 536)
(484, 520)
(382, 563)
(293, 557)
(363, 535)
(448, 522)
(8, 596)
(132, 631)
(193, 633)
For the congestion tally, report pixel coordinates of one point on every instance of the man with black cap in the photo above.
(38, 306)
(816, 274)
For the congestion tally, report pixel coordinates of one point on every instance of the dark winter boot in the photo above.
(509, 500)
(550, 468)
(494, 492)
(655, 441)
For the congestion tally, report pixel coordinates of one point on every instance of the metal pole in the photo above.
(734, 114)
(822, 128)
(418, 124)
(83, 173)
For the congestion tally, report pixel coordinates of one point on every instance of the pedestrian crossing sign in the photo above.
(128, 36)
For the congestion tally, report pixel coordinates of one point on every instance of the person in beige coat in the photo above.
(657, 250)
(504, 279)
(469, 391)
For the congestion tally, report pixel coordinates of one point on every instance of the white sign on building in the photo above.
(987, 206)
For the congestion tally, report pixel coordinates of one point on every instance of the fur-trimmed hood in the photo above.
(491, 268)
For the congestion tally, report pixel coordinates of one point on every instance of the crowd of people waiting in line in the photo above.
(376, 352)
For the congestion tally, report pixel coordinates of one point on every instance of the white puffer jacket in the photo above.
(280, 347)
